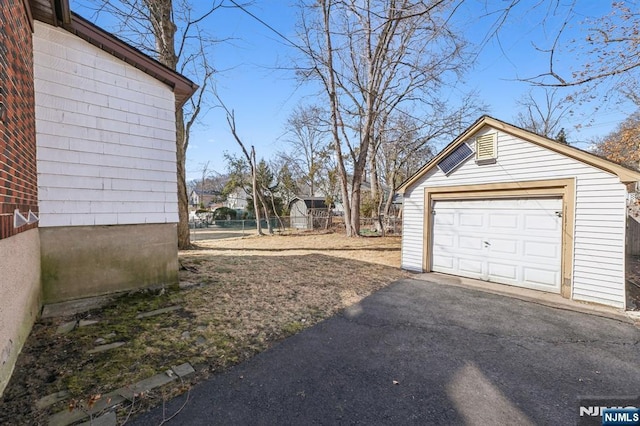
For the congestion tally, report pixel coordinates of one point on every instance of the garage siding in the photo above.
(599, 217)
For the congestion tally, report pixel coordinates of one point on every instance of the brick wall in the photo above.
(18, 176)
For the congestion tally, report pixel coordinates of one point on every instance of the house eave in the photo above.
(59, 14)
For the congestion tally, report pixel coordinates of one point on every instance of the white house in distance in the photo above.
(505, 205)
(237, 199)
(106, 159)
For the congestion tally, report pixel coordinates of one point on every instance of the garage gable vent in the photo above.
(453, 160)
(486, 148)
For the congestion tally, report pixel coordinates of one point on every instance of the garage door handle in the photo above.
(486, 243)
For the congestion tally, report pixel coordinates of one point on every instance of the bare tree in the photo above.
(308, 152)
(250, 156)
(610, 52)
(407, 143)
(170, 33)
(542, 117)
(371, 57)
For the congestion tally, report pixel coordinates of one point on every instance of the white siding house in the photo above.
(534, 213)
(106, 136)
(106, 158)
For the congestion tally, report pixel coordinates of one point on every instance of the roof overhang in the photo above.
(58, 13)
(625, 174)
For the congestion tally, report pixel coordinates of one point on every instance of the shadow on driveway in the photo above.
(423, 353)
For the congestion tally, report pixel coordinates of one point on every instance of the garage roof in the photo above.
(625, 174)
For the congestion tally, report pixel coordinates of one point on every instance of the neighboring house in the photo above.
(505, 205)
(89, 150)
(237, 199)
(304, 210)
(198, 198)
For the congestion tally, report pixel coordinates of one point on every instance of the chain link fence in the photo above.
(204, 227)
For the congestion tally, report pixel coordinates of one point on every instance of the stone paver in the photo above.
(148, 384)
(66, 327)
(103, 348)
(49, 400)
(66, 417)
(183, 370)
(85, 323)
(158, 312)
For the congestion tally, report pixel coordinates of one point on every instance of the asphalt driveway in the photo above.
(418, 352)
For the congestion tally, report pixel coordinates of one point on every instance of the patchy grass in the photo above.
(240, 296)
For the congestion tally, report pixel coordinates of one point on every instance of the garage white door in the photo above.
(509, 241)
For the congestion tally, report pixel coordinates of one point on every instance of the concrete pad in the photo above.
(103, 348)
(158, 312)
(547, 299)
(49, 400)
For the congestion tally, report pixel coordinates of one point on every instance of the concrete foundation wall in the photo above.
(85, 261)
(19, 295)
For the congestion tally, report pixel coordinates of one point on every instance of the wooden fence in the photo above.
(633, 237)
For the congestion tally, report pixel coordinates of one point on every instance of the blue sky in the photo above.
(252, 83)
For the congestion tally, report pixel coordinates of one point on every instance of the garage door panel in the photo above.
(501, 247)
(443, 262)
(471, 266)
(541, 222)
(541, 277)
(510, 241)
(444, 241)
(446, 218)
(503, 221)
(541, 250)
(504, 271)
(470, 242)
(469, 219)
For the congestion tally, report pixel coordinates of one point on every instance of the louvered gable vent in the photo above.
(486, 149)
(457, 157)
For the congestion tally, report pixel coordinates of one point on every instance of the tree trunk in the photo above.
(254, 187)
(184, 237)
(336, 122)
(164, 30)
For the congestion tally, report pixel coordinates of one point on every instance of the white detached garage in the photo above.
(505, 205)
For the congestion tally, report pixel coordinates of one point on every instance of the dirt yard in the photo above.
(237, 297)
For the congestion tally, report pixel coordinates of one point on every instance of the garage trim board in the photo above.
(561, 190)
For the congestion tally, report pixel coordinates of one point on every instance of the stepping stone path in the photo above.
(120, 396)
(117, 397)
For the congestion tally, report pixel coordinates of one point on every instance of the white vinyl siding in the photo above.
(105, 135)
(600, 213)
